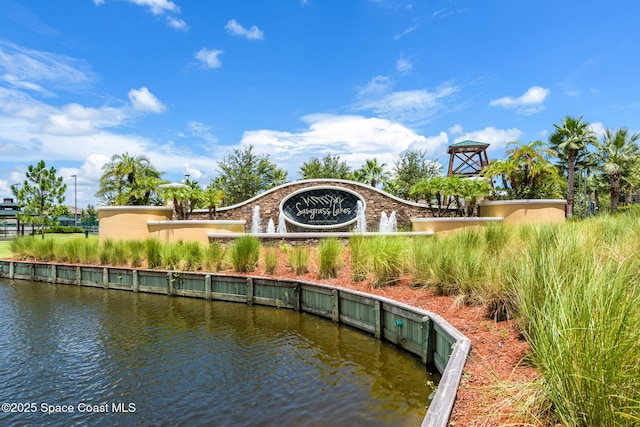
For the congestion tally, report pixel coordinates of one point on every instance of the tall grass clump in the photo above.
(153, 253)
(329, 257)
(171, 256)
(88, 250)
(422, 255)
(271, 260)
(119, 253)
(459, 264)
(44, 249)
(244, 254)
(214, 256)
(193, 258)
(496, 237)
(298, 259)
(360, 265)
(387, 260)
(581, 316)
(135, 252)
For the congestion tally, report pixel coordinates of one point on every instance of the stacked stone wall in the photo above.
(376, 202)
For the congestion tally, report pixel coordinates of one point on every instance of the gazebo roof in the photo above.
(462, 145)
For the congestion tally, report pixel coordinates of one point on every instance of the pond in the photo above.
(77, 355)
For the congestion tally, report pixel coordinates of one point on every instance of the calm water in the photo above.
(181, 361)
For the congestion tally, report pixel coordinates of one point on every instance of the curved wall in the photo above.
(376, 201)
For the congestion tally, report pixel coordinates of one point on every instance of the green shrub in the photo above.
(214, 256)
(387, 260)
(244, 254)
(271, 260)
(329, 257)
(299, 259)
(153, 253)
(360, 265)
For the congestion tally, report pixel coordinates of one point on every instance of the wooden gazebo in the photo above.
(467, 158)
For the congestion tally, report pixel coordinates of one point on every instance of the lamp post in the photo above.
(75, 200)
(186, 177)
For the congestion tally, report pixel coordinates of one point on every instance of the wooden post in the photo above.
(377, 310)
(249, 290)
(335, 306)
(12, 270)
(169, 284)
(105, 277)
(296, 297)
(136, 282)
(427, 348)
(54, 273)
(207, 287)
(78, 276)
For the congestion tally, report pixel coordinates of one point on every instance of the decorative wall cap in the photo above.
(460, 219)
(312, 182)
(524, 202)
(199, 221)
(134, 208)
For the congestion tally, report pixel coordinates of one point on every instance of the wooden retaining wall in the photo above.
(418, 331)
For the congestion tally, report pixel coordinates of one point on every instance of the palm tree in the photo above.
(371, 173)
(571, 138)
(527, 172)
(129, 181)
(617, 153)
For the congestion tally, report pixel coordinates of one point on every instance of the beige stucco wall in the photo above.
(525, 211)
(129, 222)
(173, 231)
(443, 226)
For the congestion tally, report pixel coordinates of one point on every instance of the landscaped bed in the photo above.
(572, 356)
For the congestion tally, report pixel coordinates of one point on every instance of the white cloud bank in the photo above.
(144, 101)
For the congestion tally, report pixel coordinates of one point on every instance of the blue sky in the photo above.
(185, 82)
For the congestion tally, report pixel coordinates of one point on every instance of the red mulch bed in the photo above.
(497, 347)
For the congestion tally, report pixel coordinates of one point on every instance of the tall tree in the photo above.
(371, 172)
(129, 181)
(327, 167)
(411, 167)
(39, 195)
(572, 137)
(618, 152)
(245, 174)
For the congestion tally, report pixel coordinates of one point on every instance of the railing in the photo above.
(417, 331)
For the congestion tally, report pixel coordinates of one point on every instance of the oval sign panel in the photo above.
(321, 207)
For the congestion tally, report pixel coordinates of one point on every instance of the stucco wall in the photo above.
(443, 226)
(376, 202)
(174, 231)
(525, 211)
(129, 222)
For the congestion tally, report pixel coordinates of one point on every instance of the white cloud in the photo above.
(411, 107)
(404, 65)
(24, 68)
(98, 2)
(527, 104)
(598, 128)
(144, 101)
(209, 58)
(234, 28)
(158, 7)
(353, 138)
(202, 131)
(177, 23)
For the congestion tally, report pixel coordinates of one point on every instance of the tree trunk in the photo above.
(571, 166)
(615, 191)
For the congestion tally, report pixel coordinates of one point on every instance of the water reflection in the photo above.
(186, 361)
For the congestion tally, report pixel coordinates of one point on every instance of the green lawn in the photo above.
(5, 252)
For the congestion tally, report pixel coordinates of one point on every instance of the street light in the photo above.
(186, 176)
(75, 200)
